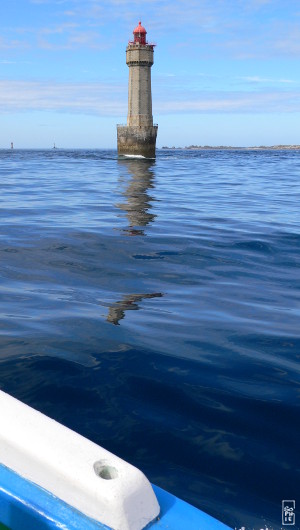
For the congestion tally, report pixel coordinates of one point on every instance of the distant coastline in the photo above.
(228, 147)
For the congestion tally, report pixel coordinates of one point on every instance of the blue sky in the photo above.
(225, 72)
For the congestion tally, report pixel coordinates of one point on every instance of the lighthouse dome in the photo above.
(139, 29)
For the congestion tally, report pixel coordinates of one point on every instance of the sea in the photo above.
(153, 307)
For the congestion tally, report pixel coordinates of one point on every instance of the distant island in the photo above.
(232, 147)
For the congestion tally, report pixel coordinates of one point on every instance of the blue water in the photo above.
(153, 306)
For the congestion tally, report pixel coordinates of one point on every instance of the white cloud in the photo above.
(232, 102)
(258, 79)
(288, 41)
(86, 98)
(70, 38)
(13, 44)
(111, 100)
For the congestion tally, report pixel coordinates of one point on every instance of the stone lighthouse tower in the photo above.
(139, 136)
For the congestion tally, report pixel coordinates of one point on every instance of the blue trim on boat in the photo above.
(24, 506)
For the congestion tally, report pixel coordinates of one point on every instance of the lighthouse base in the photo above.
(137, 140)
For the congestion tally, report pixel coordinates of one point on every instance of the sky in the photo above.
(226, 72)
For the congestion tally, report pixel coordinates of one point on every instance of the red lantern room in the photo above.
(139, 34)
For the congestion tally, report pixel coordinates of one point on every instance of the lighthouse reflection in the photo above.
(138, 201)
(136, 179)
(116, 312)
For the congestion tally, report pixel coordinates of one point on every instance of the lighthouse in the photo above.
(138, 137)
